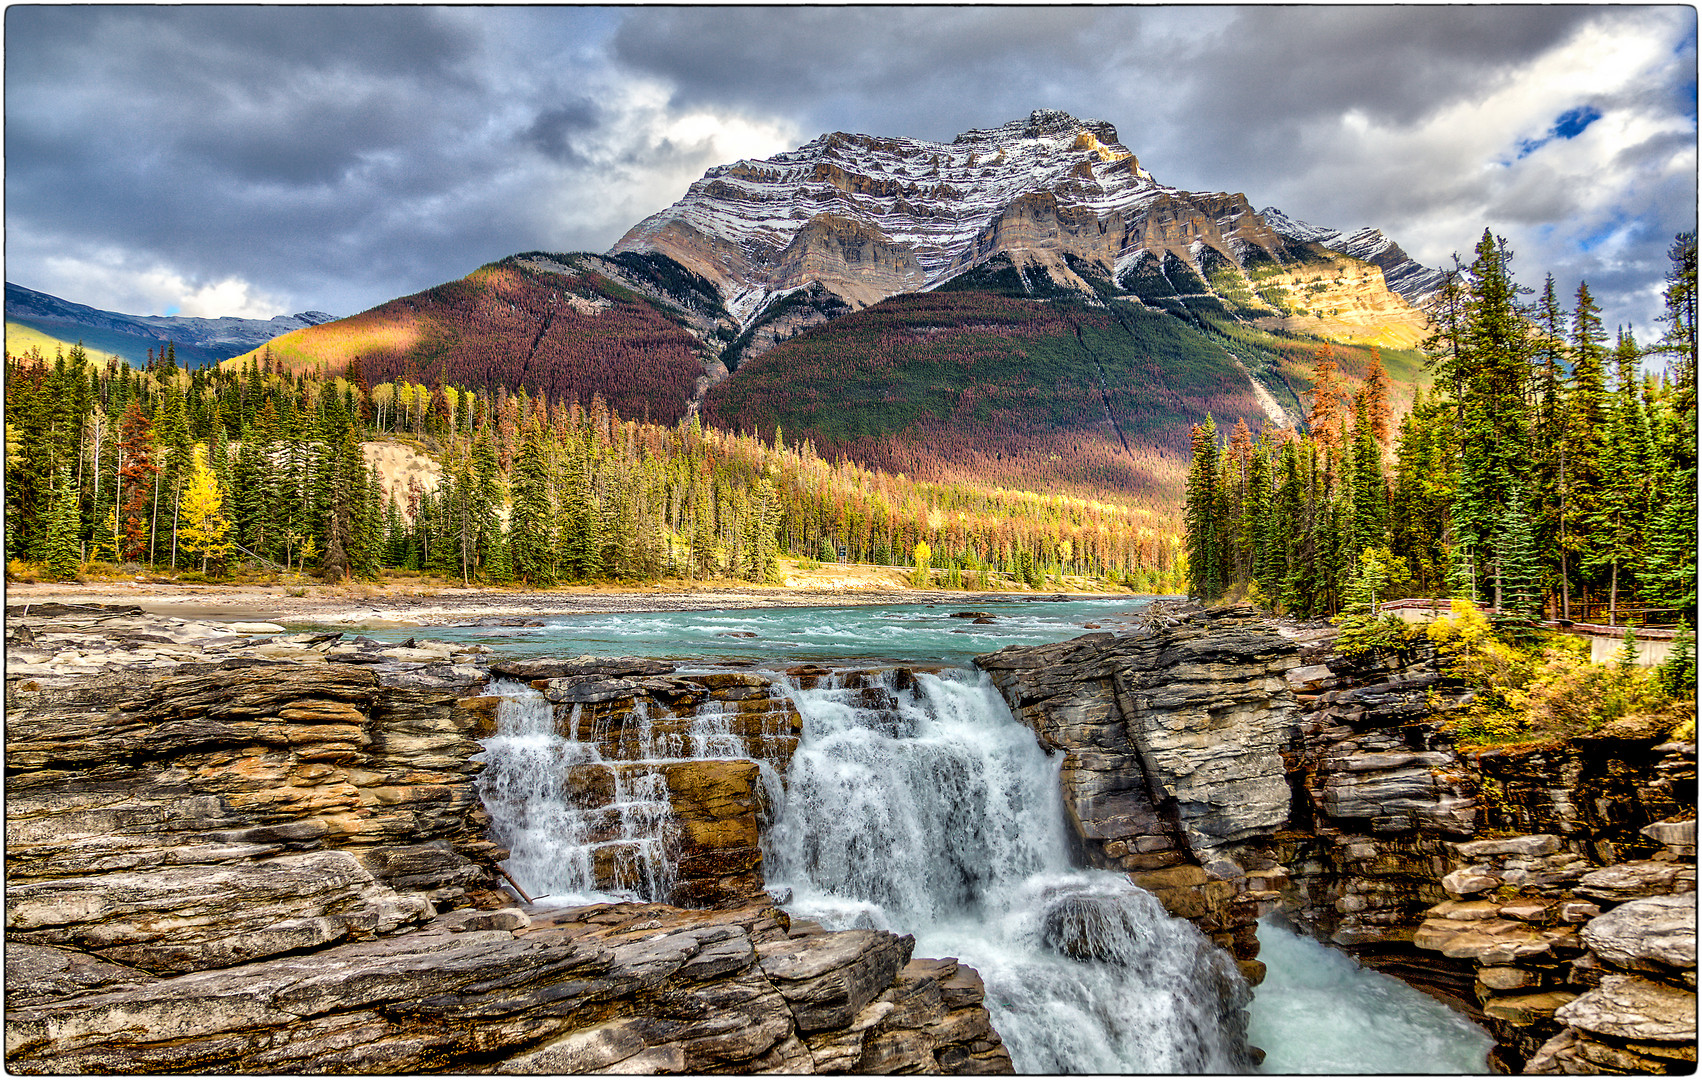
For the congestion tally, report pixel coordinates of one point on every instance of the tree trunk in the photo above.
(154, 523)
(1613, 596)
(176, 498)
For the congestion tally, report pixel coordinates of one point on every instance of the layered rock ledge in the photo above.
(624, 988)
(235, 849)
(1238, 767)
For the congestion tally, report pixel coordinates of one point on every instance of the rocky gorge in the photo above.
(1546, 890)
(231, 849)
(235, 849)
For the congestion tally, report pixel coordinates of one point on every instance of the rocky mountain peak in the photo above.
(864, 217)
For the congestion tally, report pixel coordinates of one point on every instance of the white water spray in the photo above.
(579, 829)
(932, 811)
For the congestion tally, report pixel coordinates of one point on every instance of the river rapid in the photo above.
(934, 812)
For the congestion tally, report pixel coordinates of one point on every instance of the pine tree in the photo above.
(1201, 518)
(1374, 396)
(61, 553)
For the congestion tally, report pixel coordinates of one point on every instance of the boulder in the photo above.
(1626, 1007)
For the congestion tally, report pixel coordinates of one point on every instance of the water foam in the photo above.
(935, 813)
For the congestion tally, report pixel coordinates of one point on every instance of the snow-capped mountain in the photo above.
(1404, 275)
(867, 217)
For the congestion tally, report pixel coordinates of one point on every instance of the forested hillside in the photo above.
(210, 469)
(981, 381)
(516, 326)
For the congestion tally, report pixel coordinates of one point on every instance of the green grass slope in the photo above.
(48, 335)
(986, 386)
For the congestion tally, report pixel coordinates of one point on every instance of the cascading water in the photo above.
(931, 811)
(579, 829)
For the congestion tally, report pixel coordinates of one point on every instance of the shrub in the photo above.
(1548, 691)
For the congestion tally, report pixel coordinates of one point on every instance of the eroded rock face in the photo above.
(265, 867)
(1482, 877)
(220, 813)
(1171, 740)
(610, 988)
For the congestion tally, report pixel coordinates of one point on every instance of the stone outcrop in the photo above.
(259, 852)
(1171, 741)
(1492, 879)
(224, 811)
(607, 989)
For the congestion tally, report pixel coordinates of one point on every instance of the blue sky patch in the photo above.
(1572, 122)
(1569, 125)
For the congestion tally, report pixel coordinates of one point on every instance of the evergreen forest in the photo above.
(248, 465)
(1549, 473)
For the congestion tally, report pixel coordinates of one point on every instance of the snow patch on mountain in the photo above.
(1405, 276)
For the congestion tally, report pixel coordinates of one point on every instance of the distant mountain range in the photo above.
(1024, 305)
(868, 217)
(196, 341)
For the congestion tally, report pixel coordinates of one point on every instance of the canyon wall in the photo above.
(1238, 771)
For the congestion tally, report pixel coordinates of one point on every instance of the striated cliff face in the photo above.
(867, 217)
(1414, 281)
(1548, 891)
(1171, 743)
(234, 849)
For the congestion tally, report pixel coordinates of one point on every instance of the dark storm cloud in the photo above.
(932, 72)
(555, 129)
(329, 154)
(1259, 74)
(341, 156)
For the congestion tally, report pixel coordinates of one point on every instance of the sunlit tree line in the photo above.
(1550, 471)
(203, 470)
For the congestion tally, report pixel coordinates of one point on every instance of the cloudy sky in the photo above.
(260, 160)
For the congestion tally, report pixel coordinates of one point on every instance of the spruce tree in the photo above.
(1585, 431)
(532, 524)
(1521, 572)
(60, 551)
(1201, 520)
(1370, 494)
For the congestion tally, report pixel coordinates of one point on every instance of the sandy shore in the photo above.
(407, 605)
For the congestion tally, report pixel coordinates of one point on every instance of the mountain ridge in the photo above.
(866, 217)
(196, 339)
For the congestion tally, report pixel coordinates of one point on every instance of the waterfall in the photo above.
(579, 829)
(929, 810)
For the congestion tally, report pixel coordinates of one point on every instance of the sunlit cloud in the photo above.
(282, 159)
(152, 289)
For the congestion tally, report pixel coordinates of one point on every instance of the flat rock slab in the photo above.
(1654, 933)
(1629, 881)
(1628, 1008)
(624, 988)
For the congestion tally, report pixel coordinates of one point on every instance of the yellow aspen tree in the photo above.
(205, 528)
